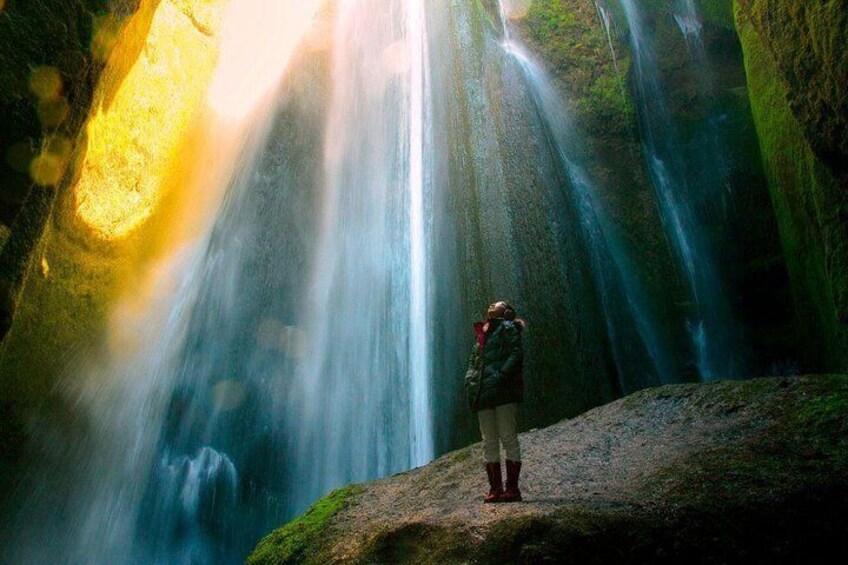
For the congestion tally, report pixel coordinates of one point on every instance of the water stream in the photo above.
(626, 306)
(717, 341)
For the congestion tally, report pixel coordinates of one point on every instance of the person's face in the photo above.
(494, 311)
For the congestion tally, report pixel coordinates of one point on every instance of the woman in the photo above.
(495, 387)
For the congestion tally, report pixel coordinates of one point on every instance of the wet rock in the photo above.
(667, 475)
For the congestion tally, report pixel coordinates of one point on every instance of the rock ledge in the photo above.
(753, 472)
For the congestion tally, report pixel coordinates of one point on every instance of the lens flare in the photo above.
(45, 82)
(257, 40)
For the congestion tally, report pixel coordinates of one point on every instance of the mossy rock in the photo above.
(723, 472)
(806, 44)
(299, 541)
(810, 197)
(572, 40)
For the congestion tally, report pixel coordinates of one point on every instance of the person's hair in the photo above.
(508, 313)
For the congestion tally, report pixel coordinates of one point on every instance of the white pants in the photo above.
(498, 425)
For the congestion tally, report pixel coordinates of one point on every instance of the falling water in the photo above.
(611, 263)
(421, 428)
(291, 346)
(716, 340)
(146, 475)
(366, 317)
(128, 497)
(689, 23)
(716, 161)
(606, 19)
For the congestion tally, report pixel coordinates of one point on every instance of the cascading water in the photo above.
(605, 17)
(622, 296)
(157, 467)
(361, 393)
(408, 171)
(249, 393)
(715, 164)
(717, 340)
(689, 23)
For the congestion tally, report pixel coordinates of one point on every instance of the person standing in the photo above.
(495, 387)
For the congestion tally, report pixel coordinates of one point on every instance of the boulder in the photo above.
(724, 472)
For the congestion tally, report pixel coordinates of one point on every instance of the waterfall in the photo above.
(611, 263)
(717, 343)
(366, 317)
(717, 163)
(606, 19)
(153, 466)
(405, 166)
(689, 23)
(421, 426)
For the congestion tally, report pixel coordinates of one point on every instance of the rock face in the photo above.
(797, 71)
(726, 472)
(58, 276)
(51, 55)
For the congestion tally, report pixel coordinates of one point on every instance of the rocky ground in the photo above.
(753, 472)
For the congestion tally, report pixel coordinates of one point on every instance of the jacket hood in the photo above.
(518, 323)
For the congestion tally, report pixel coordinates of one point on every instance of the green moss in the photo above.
(550, 20)
(608, 100)
(805, 41)
(297, 541)
(825, 421)
(806, 435)
(809, 204)
(573, 42)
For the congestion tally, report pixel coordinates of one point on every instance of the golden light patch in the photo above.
(131, 144)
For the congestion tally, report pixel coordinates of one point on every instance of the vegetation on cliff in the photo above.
(300, 540)
(591, 67)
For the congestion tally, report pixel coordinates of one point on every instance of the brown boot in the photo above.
(511, 494)
(493, 471)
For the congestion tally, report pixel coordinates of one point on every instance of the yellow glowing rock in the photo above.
(133, 140)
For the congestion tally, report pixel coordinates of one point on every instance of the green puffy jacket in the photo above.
(498, 355)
